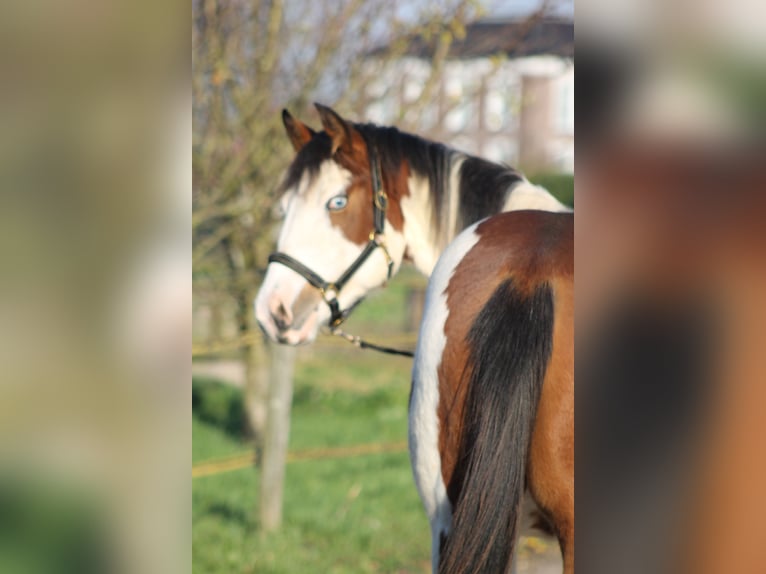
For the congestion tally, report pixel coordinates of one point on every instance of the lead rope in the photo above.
(362, 344)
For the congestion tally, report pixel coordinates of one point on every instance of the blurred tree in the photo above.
(250, 58)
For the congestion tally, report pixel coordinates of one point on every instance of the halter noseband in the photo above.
(331, 290)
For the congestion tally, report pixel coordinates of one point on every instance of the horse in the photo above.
(492, 400)
(360, 199)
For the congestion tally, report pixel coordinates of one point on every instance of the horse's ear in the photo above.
(298, 132)
(339, 130)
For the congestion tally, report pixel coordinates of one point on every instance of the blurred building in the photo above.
(506, 92)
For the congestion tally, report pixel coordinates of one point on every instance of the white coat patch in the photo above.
(423, 420)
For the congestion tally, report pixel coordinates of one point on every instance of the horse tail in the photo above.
(510, 345)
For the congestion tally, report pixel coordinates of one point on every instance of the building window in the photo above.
(565, 106)
(465, 144)
(502, 150)
(453, 89)
(461, 117)
(460, 99)
(420, 119)
(501, 102)
(412, 89)
(382, 111)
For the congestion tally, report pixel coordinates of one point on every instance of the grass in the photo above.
(384, 310)
(345, 515)
(358, 514)
(210, 442)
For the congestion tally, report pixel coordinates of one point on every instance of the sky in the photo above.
(508, 8)
(504, 8)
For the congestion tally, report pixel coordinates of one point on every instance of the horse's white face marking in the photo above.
(309, 236)
(423, 419)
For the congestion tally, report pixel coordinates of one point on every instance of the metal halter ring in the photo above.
(381, 200)
(330, 287)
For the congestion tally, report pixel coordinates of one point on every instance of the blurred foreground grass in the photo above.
(342, 515)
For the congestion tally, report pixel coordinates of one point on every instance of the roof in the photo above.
(510, 37)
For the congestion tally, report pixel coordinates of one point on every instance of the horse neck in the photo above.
(427, 183)
(431, 215)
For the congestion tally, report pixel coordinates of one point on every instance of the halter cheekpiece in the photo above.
(331, 289)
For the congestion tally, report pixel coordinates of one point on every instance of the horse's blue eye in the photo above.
(337, 202)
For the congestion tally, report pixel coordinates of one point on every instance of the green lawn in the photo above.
(342, 515)
(347, 515)
(210, 442)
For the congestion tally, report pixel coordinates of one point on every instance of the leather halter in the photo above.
(331, 289)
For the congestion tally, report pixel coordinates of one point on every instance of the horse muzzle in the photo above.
(279, 322)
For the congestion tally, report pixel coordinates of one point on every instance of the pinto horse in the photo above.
(358, 200)
(492, 403)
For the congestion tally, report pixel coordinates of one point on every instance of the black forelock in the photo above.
(309, 158)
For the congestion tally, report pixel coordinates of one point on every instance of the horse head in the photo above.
(337, 240)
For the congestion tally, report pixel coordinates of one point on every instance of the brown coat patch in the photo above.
(551, 455)
(529, 246)
(350, 151)
(356, 220)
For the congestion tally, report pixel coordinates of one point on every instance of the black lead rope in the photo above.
(362, 344)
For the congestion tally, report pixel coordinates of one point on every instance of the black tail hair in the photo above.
(510, 342)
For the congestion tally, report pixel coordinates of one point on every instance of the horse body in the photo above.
(493, 389)
(358, 201)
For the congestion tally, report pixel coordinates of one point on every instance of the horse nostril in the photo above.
(281, 317)
(280, 323)
(281, 314)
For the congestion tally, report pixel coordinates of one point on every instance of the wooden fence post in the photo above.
(277, 435)
(416, 300)
(257, 380)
